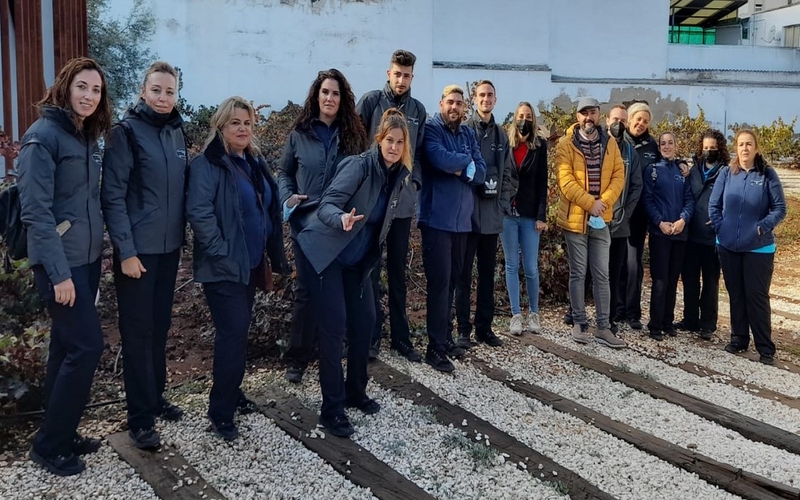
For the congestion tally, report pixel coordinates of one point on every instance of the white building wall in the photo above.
(766, 27)
(270, 51)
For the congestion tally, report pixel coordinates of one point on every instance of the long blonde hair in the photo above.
(224, 114)
(391, 119)
(534, 139)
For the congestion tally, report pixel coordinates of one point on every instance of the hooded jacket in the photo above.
(59, 181)
(742, 204)
(358, 184)
(371, 107)
(306, 168)
(446, 200)
(574, 201)
(493, 199)
(667, 197)
(620, 226)
(213, 211)
(144, 184)
(700, 229)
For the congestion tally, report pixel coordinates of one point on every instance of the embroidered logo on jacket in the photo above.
(97, 157)
(491, 186)
(180, 153)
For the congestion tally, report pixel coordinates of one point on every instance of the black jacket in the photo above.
(371, 107)
(306, 169)
(143, 190)
(493, 198)
(700, 228)
(212, 208)
(647, 149)
(531, 196)
(59, 180)
(358, 184)
(620, 226)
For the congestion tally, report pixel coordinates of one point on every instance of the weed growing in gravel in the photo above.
(627, 393)
(559, 486)
(623, 367)
(480, 454)
(646, 374)
(396, 447)
(428, 414)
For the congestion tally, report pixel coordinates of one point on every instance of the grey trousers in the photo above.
(589, 250)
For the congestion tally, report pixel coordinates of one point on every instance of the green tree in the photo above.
(119, 47)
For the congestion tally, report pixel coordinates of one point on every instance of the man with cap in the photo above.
(591, 177)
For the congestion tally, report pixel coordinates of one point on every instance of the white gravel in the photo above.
(613, 465)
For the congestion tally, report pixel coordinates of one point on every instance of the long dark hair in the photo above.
(94, 126)
(353, 136)
(722, 145)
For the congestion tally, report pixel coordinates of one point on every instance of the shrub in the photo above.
(777, 141)
(687, 130)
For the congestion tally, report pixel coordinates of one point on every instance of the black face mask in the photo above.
(525, 127)
(711, 156)
(616, 130)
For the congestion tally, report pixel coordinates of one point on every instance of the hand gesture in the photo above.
(684, 168)
(132, 267)
(295, 200)
(65, 292)
(349, 219)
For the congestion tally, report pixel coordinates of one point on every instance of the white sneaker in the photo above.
(516, 324)
(533, 323)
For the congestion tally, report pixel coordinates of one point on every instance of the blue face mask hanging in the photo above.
(596, 222)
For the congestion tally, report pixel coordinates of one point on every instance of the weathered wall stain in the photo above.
(316, 6)
(661, 106)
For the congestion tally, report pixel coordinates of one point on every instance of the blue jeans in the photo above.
(519, 233)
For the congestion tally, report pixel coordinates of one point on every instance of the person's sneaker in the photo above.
(374, 351)
(606, 338)
(294, 374)
(170, 412)
(568, 320)
(439, 361)
(145, 439)
(226, 430)
(369, 406)
(515, 327)
(685, 327)
(407, 351)
(734, 349)
(455, 351)
(706, 334)
(61, 465)
(671, 331)
(463, 341)
(767, 359)
(246, 406)
(613, 327)
(489, 338)
(82, 445)
(338, 425)
(656, 335)
(635, 324)
(534, 326)
(580, 333)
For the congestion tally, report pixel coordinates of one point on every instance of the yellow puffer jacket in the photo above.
(574, 201)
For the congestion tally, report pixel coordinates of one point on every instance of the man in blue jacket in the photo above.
(451, 165)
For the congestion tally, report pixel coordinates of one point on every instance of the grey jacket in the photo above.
(212, 208)
(493, 198)
(371, 107)
(620, 226)
(358, 184)
(306, 169)
(143, 188)
(59, 181)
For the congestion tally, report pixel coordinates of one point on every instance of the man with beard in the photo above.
(492, 201)
(591, 176)
(620, 226)
(396, 94)
(451, 165)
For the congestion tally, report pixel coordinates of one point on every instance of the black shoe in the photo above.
(145, 439)
(672, 332)
(246, 406)
(635, 324)
(463, 342)
(734, 349)
(226, 430)
(767, 359)
(454, 351)
(338, 425)
(439, 361)
(706, 334)
(407, 351)
(568, 319)
(656, 335)
(170, 412)
(489, 338)
(84, 445)
(613, 327)
(685, 327)
(369, 406)
(60, 465)
(294, 374)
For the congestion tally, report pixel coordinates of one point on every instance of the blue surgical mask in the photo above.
(596, 222)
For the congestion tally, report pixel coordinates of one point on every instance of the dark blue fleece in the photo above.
(667, 197)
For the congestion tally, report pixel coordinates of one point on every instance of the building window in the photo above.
(692, 35)
(791, 36)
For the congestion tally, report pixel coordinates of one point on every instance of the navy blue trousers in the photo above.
(305, 332)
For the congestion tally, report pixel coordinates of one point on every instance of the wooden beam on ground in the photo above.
(447, 413)
(165, 470)
(732, 479)
(748, 427)
(350, 459)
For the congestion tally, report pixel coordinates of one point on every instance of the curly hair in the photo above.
(722, 145)
(353, 136)
(99, 123)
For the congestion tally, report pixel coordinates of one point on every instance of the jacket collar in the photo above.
(64, 118)
(400, 100)
(145, 113)
(215, 152)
